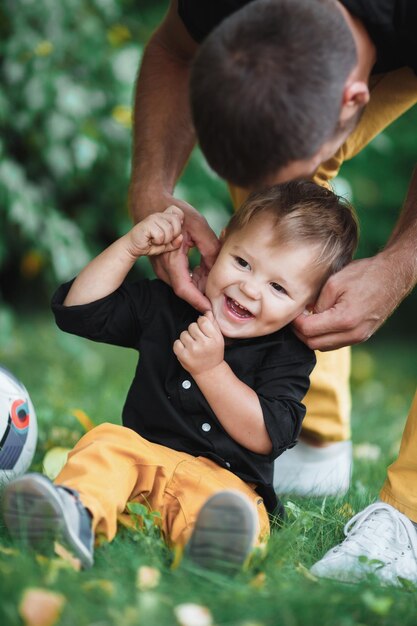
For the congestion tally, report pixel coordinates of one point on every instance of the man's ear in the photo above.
(222, 236)
(355, 97)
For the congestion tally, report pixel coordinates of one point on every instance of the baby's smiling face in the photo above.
(256, 286)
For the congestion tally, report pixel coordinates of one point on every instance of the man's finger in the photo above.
(205, 239)
(324, 343)
(181, 281)
(159, 268)
(189, 292)
(318, 324)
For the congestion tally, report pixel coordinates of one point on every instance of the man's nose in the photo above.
(250, 289)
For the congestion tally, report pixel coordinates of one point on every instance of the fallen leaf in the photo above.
(67, 556)
(107, 586)
(302, 569)
(40, 607)
(83, 418)
(147, 578)
(346, 511)
(380, 605)
(258, 581)
(8, 551)
(190, 614)
(54, 460)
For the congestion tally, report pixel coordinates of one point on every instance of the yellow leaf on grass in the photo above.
(147, 578)
(83, 418)
(258, 581)
(67, 556)
(54, 460)
(301, 569)
(8, 551)
(40, 607)
(102, 584)
(346, 510)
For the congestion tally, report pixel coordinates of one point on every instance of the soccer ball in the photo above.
(18, 428)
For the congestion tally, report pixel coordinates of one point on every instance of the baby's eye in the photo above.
(278, 287)
(241, 262)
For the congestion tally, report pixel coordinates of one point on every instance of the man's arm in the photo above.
(356, 301)
(200, 350)
(162, 143)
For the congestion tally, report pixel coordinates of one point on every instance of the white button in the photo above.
(206, 427)
(186, 384)
(227, 464)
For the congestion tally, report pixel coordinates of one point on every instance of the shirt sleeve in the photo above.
(116, 319)
(282, 382)
(201, 17)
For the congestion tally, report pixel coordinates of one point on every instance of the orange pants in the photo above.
(400, 488)
(113, 465)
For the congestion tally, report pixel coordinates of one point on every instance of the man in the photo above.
(285, 89)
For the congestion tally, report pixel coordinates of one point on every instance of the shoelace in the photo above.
(403, 530)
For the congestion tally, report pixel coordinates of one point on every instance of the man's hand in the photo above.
(157, 234)
(173, 267)
(353, 304)
(201, 347)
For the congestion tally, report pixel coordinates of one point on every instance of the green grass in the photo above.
(63, 373)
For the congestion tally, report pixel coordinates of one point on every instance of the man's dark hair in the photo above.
(267, 85)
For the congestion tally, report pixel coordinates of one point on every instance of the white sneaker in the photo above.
(379, 540)
(306, 470)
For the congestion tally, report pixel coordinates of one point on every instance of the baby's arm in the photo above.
(200, 350)
(157, 233)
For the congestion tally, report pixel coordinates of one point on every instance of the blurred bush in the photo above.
(67, 71)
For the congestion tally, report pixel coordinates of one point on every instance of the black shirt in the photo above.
(164, 404)
(391, 24)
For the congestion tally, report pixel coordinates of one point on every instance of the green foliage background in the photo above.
(67, 71)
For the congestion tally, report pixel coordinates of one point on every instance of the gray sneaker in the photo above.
(37, 512)
(224, 533)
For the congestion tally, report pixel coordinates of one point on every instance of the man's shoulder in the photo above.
(392, 25)
(201, 17)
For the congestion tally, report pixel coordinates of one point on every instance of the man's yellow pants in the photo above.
(328, 400)
(113, 465)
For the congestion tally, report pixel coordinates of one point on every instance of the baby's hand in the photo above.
(201, 347)
(157, 233)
